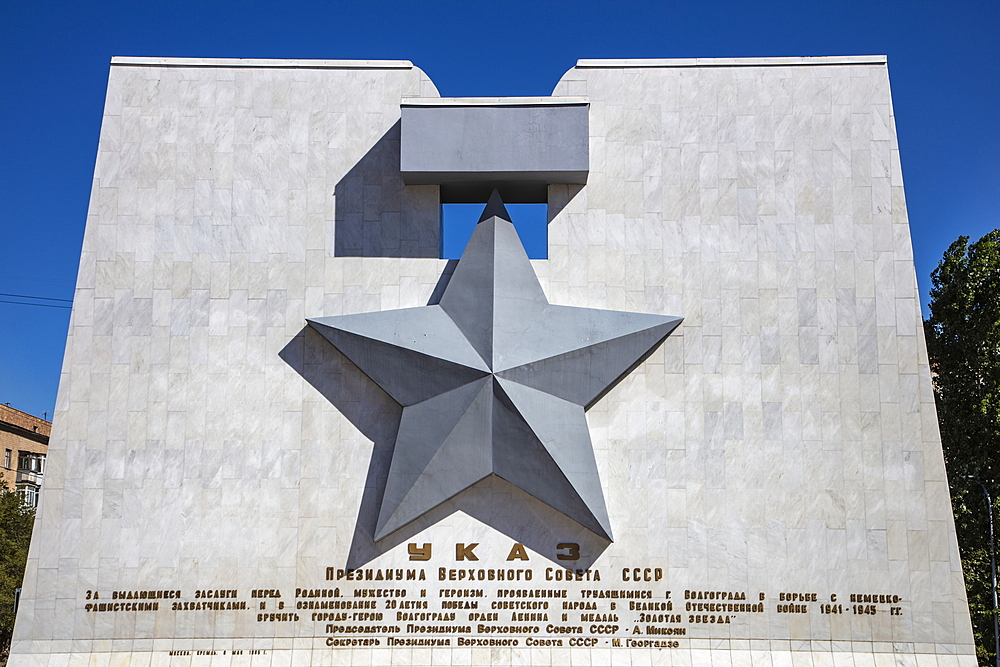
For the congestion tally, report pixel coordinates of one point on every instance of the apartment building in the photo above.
(24, 440)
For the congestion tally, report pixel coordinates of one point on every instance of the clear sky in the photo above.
(944, 68)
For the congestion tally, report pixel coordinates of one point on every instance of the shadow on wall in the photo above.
(442, 283)
(559, 196)
(375, 215)
(492, 501)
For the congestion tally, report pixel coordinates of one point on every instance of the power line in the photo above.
(41, 305)
(41, 298)
(47, 280)
(37, 298)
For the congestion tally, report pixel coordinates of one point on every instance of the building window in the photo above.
(6, 460)
(29, 493)
(30, 462)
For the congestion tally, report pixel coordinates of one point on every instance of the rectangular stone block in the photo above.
(517, 145)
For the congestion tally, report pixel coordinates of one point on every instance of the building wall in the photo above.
(783, 439)
(20, 434)
(764, 202)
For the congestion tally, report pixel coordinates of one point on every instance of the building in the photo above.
(261, 308)
(24, 440)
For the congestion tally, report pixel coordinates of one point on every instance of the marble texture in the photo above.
(783, 438)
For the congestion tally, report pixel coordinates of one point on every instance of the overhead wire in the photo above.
(37, 298)
(47, 280)
(41, 305)
(28, 296)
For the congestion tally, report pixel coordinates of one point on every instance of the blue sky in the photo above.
(944, 68)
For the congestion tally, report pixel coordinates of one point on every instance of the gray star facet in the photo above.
(494, 380)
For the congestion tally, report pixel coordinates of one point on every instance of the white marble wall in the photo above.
(783, 439)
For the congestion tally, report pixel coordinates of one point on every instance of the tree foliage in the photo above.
(16, 521)
(963, 342)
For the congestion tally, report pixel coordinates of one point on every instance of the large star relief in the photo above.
(494, 380)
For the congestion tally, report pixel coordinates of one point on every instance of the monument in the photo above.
(701, 432)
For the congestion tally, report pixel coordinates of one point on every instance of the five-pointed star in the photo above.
(494, 380)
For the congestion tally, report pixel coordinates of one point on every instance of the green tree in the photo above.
(16, 522)
(963, 342)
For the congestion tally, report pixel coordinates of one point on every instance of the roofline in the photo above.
(622, 63)
(260, 63)
(26, 414)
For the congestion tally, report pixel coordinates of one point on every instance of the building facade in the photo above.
(771, 474)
